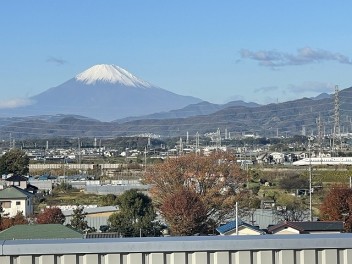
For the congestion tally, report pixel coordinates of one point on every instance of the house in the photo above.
(229, 229)
(277, 157)
(262, 158)
(314, 227)
(13, 200)
(20, 182)
(17, 180)
(43, 231)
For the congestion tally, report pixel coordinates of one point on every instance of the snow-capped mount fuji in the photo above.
(104, 92)
(111, 74)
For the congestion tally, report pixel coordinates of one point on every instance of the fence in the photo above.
(267, 249)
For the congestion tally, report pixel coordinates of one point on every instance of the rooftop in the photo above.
(13, 192)
(43, 231)
(232, 226)
(307, 226)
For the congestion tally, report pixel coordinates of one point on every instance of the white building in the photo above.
(14, 200)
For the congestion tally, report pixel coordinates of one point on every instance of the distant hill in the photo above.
(322, 96)
(281, 119)
(103, 92)
(202, 108)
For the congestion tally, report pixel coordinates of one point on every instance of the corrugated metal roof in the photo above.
(312, 226)
(13, 192)
(44, 231)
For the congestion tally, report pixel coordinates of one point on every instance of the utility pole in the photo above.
(145, 159)
(310, 180)
(79, 154)
(197, 142)
(10, 141)
(320, 134)
(181, 146)
(64, 169)
(236, 218)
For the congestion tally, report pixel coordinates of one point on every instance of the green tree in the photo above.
(291, 208)
(78, 220)
(14, 161)
(293, 181)
(135, 217)
(109, 199)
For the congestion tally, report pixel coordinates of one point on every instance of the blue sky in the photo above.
(262, 51)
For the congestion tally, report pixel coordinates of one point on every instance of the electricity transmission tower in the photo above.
(336, 143)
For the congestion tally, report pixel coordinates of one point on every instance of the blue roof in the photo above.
(46, 177)
(232, 226)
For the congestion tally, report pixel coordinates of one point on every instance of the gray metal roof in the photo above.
(13, 192)
(176, 244)
(93, 210)
(313, 226)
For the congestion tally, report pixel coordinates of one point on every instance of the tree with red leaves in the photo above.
(213, 183)
(51, 215)
(184, 212)
(18, 219)
(337, 206)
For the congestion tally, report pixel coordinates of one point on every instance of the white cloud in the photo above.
(15, 102)
(312, 87)
(306, 55)
(266, 89)
(236, 97)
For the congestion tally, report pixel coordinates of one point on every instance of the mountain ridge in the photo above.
(272, 120)
(202, 108)
(103, 92)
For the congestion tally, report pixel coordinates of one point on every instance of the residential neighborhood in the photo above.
(111, 172)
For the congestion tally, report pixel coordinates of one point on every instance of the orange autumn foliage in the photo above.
(215, 179)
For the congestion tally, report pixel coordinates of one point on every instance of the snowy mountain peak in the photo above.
(110, 74)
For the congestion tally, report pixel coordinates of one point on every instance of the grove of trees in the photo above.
(196, 192)
(135, 216)
(14, 161)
